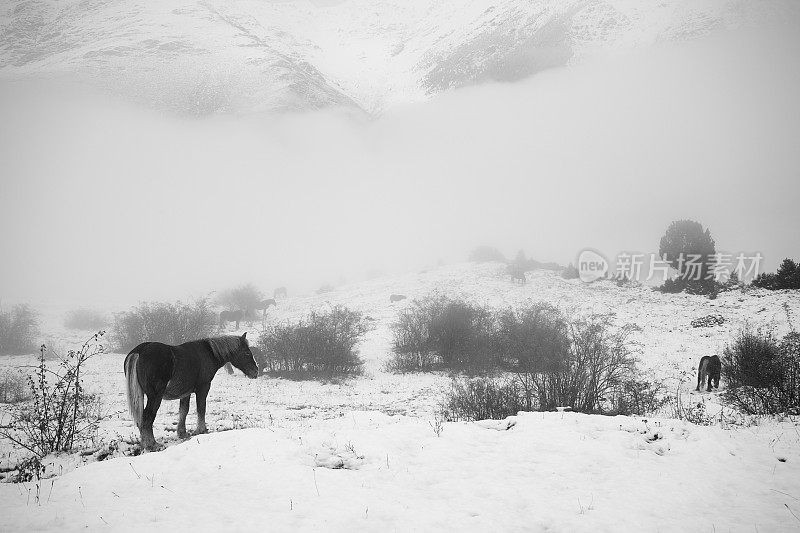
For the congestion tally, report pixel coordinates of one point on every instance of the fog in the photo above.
(104, 200)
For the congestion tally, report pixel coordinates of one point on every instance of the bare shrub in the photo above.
(531, 341)
(440, 332)
(18, 330)
(762, 374)
(13, 386)
(322, 345)
(61, 415)
(163, 322)
(598, 362)
(482, 398)
(86, 319)
(638, 397)
(412, 346)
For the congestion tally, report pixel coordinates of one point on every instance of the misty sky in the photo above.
(103, 200)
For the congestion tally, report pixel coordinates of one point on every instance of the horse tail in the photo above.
(135, 391)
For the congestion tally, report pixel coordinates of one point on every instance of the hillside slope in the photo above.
(201, 57)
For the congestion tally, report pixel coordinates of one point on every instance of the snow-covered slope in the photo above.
(373, 472)
(363, 454)
(208, 56)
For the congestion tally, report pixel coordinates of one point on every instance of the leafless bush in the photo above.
(322, 345)
(762, 374)
(638, 397)
(163, 322)
(440, 332)
(597, 364)
(86, 319)
(18, 330)
(13, 386)
(482, 398)
(61, 415)
(532, 341)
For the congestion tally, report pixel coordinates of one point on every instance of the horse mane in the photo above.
(225, 346)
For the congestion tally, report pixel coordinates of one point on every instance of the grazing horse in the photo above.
(396, 298)
(710, 367)
(231, 316)
(162, 371)
(280, 291)
(263, 305)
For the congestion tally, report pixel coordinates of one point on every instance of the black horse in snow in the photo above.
(162, 371)
(709, 368)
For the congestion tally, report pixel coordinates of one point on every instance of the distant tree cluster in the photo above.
(689, 249)
(18, 330)
(486, 254)
(85, 319)
(246, 298)
(787, 277)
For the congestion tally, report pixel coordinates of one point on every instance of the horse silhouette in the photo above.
(396, 298)
(709, 368)
(231, 316)
(162, 371)
(263, 305)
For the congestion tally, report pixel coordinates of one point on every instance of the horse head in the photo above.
(243, 358)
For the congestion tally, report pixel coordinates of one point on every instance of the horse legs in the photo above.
(200, 398)
(182, 412)
(148, 417)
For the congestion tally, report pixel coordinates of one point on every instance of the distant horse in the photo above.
(162, 371)
(280, 291)
(710, 367)
(231, 316)
(396, 298)
(517, 273)
(263, 305)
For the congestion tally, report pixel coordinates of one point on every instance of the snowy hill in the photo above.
(201, 57)
(363, 454)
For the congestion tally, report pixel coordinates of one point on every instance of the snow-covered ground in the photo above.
(363, 454)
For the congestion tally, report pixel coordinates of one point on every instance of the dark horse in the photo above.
(710, 367)
(231, 316)
(162, 371)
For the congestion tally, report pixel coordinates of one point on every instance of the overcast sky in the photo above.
(102, 200)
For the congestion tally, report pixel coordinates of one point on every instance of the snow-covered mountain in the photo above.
(209, 56)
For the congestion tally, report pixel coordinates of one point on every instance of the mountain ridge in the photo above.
(210, 56)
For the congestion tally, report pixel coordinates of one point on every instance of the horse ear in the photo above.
(244, 336)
